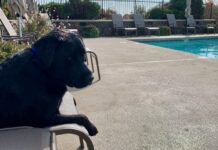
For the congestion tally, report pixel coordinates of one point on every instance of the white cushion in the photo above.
(24, 139)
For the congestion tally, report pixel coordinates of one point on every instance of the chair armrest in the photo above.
(94, 56)
(71, 129)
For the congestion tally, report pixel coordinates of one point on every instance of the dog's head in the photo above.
(63, 54)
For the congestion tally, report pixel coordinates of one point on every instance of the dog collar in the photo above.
(35, 53)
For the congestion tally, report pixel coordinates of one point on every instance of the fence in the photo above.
(128, 6)
(120, 6)
(47, 1)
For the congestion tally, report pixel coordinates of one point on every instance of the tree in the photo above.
(55, 10)
(6, 10)
(197, 9)
(158, 13)
(2, 3)
(107, 13)
(82, 9)
(74, 9)
(178, 8)
(140, 10)
(91, 9)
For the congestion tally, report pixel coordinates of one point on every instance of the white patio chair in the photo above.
(140, 24)
(171, 19)
(191, 24)
(119, 25)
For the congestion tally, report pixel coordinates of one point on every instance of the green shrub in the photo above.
(38, 25)
(55, 10)
(7, 48)
(6, 9)
(178, 8)
(158, 13)
(82, 9)
(165, 31)
(89, 31)
(74, 9)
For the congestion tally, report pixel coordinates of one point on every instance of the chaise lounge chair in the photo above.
(11, 33)
(140, 24)
(172, 23)
(191, 24)
(119, 26)
(28, 138)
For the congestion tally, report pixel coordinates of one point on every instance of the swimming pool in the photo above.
(203, 47)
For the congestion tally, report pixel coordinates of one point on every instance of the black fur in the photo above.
(32, 83)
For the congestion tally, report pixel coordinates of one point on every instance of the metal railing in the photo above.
(48, 1)
(119, 6)
(128, 6)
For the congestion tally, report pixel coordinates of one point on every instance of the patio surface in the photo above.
(150, 98)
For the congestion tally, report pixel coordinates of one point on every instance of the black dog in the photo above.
(33, 82)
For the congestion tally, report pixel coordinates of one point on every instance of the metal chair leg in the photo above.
(81, 147)
(93, 55)
(93, 69)
(97, 65)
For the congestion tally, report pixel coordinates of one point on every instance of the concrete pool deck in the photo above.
(150, 98)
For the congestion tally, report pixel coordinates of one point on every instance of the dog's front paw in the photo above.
(90, 127)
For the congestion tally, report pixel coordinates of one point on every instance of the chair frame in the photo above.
(172, 23)
(90, 55)
(48, 134)
(140, 24)
(191, 23)
(119, 25)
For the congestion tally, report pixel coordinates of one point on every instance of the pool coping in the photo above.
(175, 38)
(172, 37)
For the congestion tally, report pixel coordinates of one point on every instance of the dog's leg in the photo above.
(78, 119)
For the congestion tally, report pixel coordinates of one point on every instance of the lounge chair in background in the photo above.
(192, 23)
(119, 25)
(140, 24)
(172, 23)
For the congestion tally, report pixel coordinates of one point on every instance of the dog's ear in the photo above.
(45, 49)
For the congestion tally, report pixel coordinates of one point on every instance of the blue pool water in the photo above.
(202, 47)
